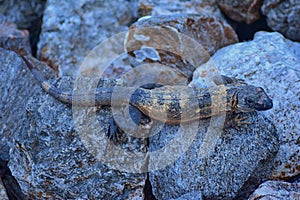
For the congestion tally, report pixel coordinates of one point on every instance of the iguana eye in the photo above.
(249, 101)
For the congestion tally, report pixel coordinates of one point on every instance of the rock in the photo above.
(3, 194)
(272, 62)
(11, 185)
(16, 88)
(276, 190)
(221, 163)
(53, 158)
(12, 38)
(215, 33)
(26, 15)
(22, 12)
(192, 195)
(241, 11)
(284, 17)
(175, 42)
(153, 8)
(71, 29)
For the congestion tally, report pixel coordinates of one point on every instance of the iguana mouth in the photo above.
(266, 105)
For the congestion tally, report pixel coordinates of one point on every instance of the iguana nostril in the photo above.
(269, 104)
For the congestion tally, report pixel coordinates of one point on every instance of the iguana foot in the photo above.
(112, 130)
(236, 121)
(135, 116)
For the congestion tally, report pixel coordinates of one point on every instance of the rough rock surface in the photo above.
(12, 188)
(272, 62)
(276, 190)
(284, 17)
(3, 195)
(241, 11)
(15, 87)
(71, 29)
(22, 12)
(192, 195)
(177, 40)
(16, 90)
(215, 33)
(51, 160)
(12, 38)
(152, 8)
(222, 163)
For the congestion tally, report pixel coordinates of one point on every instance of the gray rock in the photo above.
(284, 17)
(3, 195)
(11, 185)
(16, 88)
(190, 196)
(53, 159)
(153, 8)
(272, 62)
(13, 39)
(201, 156)
(276, 190)
(241, 11)
(22, 12)
(71, 29)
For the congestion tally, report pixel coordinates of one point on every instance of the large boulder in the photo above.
(221, 163)
(55, 157)
(272, 62)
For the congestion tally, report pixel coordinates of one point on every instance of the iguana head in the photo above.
(251, 98)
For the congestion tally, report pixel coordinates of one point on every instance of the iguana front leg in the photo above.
(114, 127)
(234, 120)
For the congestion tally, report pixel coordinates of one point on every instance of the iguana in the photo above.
(169, 104)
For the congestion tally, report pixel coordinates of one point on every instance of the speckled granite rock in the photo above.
(284, 17)
(51, 160)
(190, 196)
(71, 29)
(222, 163)
(15, 84)
(161, 7)
(22, 12)
(276, 190)
(241, 11)
(272, 62)
(16, 90)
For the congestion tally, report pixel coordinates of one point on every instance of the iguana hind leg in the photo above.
(135, 116)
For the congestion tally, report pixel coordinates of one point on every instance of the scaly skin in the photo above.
(170, 104)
